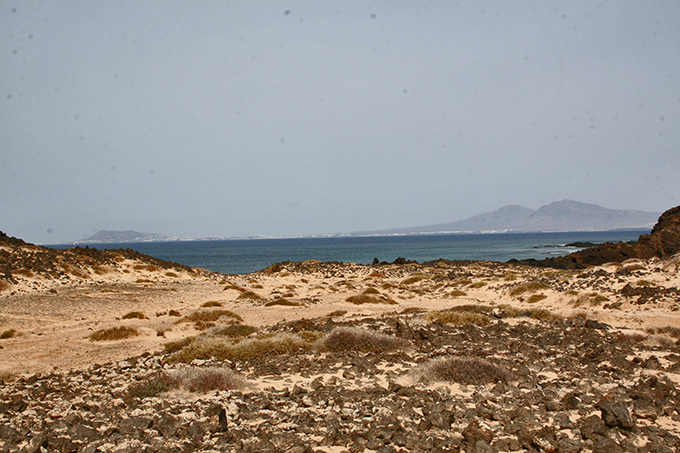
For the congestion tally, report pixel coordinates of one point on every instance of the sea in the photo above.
(242, 256)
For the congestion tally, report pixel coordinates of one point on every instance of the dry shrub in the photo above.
(174, 313)
(80, 274)
(209, 316)
(457, 293)
(203, 380)
(9, 333)
(343, 339)
(376, 275)
(592, 299)
(23, 272)
(462, 370)
(634, 336)
(479, 284)
(134, 315)
(284, 302)
(459, 318)
(409, 310)
(528, 287)
(234, 330)
(240, 289)
(100, 270)
(211, 303)
(667, 330)
(411, 280)
(114, 333)
(4, 286)
(644, 283)
(536, 298)
(249, 295)
(171, 275)
(542, 314)
(152, 386)
(199, 380)
(247, 349)
(336, 313)
(371, 296)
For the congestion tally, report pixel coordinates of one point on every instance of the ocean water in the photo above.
(249, 255)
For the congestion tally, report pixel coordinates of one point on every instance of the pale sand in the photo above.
(52, 328)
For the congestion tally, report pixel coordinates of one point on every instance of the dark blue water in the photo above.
(249, 255)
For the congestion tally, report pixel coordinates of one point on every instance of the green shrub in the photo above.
(462, 370)
(134, 315)
(114, 333)
(343, 339)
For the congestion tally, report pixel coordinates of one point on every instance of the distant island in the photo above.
(559, 216)
(112, 237)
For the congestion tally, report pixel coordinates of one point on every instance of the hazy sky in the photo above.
(232, 118)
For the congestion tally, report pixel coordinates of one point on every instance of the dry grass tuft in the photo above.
(462, 370)
(343, 339)
(528, 287)
(134, 315)
(411, 280)
(114, 333)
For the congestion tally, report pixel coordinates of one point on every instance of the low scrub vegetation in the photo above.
(234, 330)
(4, 286)
(114, 333)
(457, 293)
(210, 316)
(461, 370)
(343, 339)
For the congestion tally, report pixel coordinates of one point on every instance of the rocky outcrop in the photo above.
(662, 242)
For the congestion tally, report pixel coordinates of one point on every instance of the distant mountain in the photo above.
(112, 237)
(565, 215)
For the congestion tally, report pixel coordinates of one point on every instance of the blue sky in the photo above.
(235, 118)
